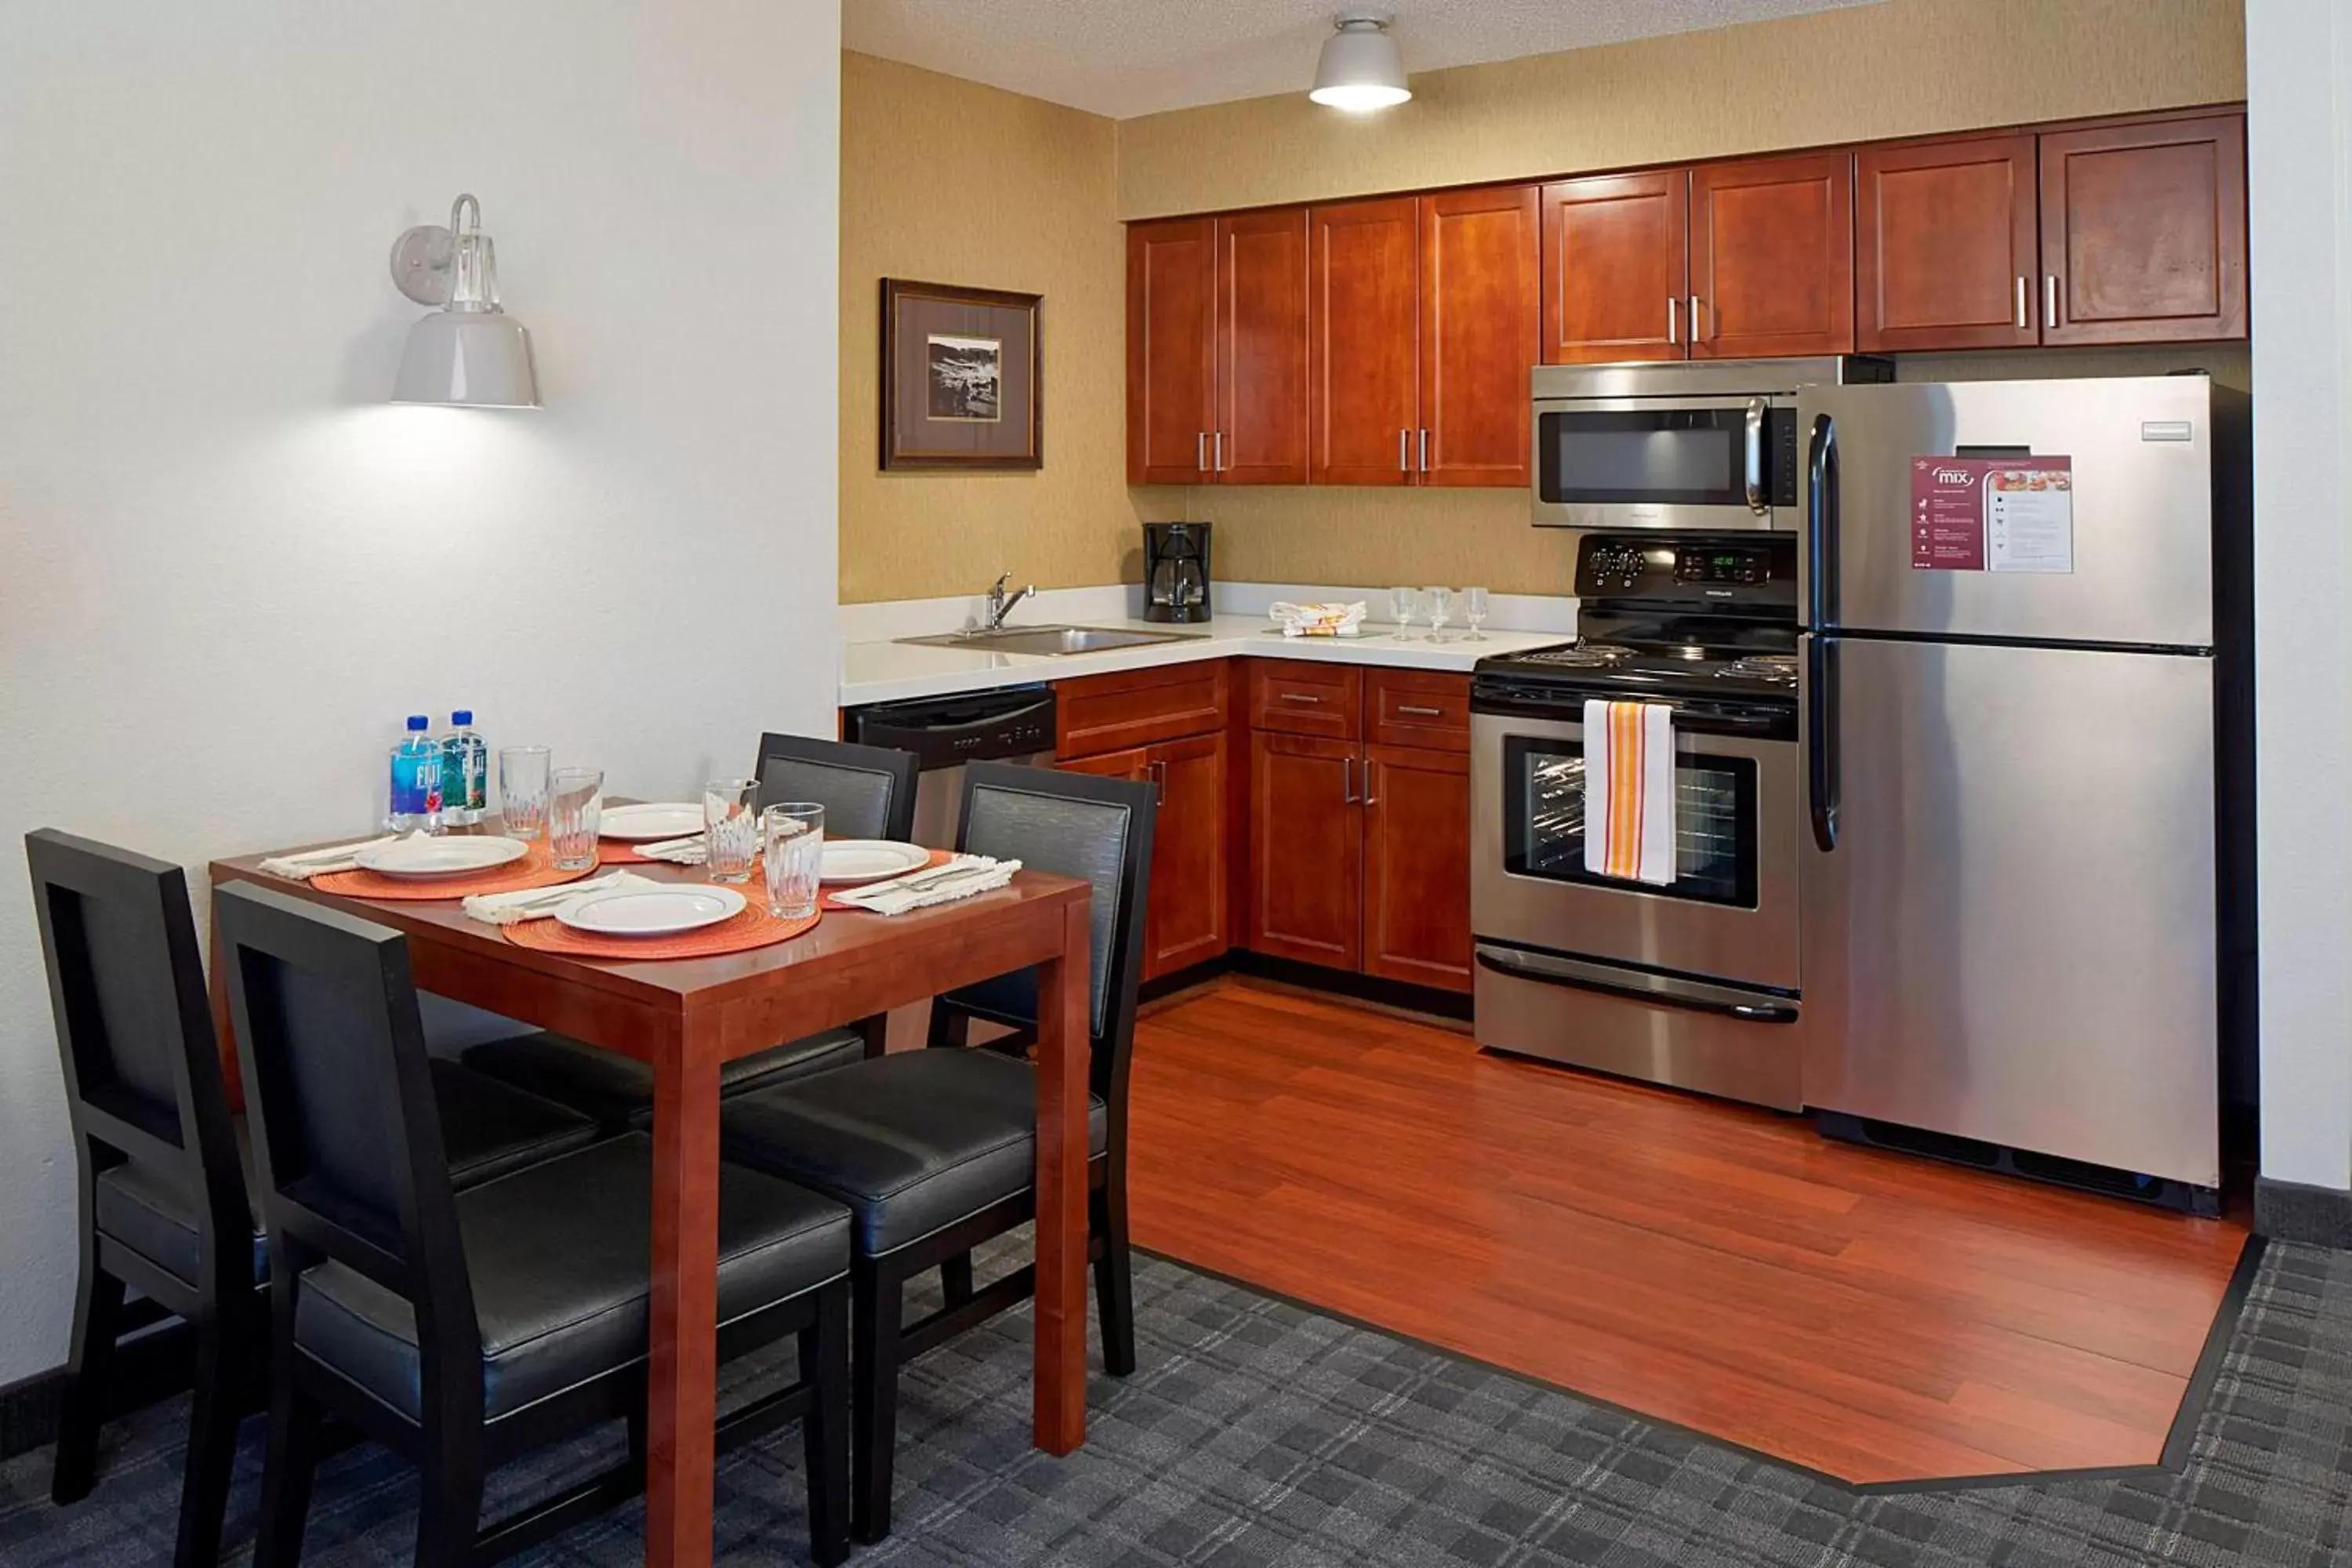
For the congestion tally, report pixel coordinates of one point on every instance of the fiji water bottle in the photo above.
(415, 780)
(465, 772)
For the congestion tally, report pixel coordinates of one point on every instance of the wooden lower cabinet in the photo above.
(1417, 865)
(1306, 849)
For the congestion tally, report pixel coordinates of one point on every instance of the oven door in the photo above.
(1731, 911)
(1655, 462)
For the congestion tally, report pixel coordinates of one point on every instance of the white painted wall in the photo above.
(2299, 140)
(227, 570)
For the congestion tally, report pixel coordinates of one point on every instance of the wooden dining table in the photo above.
(686, 1017)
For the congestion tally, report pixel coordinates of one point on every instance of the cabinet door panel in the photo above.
(1306, 849)
(1616, 267)
(1136, 707)
(1363, 310)
(1480, 263)
(1417, 867)
(1946, 246)
(1129, 765)
(2144, 230)
(1186, 923)
(1772, 257)
(1172, 326)
(1261, 350)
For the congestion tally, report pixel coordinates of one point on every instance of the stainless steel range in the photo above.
(1694, 981)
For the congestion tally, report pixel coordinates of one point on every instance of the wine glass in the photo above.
(1400, 603)
(1473, 610)
(1436, 604)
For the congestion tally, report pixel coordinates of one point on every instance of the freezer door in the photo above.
(2141, 449)
(2013, 938)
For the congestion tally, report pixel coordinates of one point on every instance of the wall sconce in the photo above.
(469, 353)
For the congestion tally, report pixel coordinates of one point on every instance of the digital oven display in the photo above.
(1722, 567)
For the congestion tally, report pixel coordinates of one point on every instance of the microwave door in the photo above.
(1653, 463)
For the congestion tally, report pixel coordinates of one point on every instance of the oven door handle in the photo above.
(1660, 989)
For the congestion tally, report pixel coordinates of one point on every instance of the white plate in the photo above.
(659, 911)
(649, 820)
(452, 857)
(870, 859)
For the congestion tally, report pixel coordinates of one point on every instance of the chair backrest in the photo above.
(135, 1038)
(1098, 830)
(868, 792)
(338, 1086)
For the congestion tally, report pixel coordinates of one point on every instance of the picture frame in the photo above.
(963, 378)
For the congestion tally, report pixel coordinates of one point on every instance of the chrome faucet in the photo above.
(1000, 606)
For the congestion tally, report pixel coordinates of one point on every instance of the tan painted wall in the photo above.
(951, 182)
(1899, 68)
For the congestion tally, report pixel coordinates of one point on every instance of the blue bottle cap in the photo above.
(416, 721)
(462, 717)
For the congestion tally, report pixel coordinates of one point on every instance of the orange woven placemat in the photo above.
(939, 857)
(536, 869)
(755, 927)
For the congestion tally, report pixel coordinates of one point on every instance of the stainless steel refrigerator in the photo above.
(2027, 771)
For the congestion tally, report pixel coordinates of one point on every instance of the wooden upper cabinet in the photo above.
(1480, 287)
(1259, 435)
(1616, 268)
(1772, 257)
(1172, 319)
(2144, 231)
(1947, 246)
(1363, 312)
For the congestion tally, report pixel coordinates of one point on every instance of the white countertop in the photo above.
(893, 671)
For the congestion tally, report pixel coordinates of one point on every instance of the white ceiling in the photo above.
(1124, 57)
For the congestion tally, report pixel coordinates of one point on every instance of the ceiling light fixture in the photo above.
(1361, 69)
(469, 353)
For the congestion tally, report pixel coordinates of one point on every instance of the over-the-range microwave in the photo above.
(1701, 445)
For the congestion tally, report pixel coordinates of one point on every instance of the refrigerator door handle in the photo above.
(1821, 523)
(1821, 739)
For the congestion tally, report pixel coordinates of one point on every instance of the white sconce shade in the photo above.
(469, 353)
(1361, 69)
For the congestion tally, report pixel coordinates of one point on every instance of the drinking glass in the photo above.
(794, 832)
(1400, 603)
(522, 790)
(1473, 610)
(1436, 604)
(575, 810)
(730, 828)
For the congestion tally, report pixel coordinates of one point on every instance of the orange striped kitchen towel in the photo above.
(1629, 791)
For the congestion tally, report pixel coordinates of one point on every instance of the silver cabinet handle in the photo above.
(2023, 293)
(1694, 319)
(1159, 782)
(1201, 452)
(2050, 300)
(1424, 451)
(1420, 712)
(1372, 782)
(1671, 305)
(1298, 696)
(1347, 781)
(1217, 462)
(1753, 456)
(1404, 451)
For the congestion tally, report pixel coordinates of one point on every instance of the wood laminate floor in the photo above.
(1872, 1316)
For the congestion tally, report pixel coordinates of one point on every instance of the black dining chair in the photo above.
(868, 792)
(165, 1196)
(934, 1152)
(463, 1328)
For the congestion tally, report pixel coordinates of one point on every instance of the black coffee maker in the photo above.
(1176, 572)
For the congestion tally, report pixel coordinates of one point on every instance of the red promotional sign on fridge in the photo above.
(1992, 514)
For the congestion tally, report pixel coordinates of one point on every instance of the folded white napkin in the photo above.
(686, 851)
(540, 903)
(1323, 620)
(312, 863)
(959, 879)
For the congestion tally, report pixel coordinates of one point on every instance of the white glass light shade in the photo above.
(474, 359)
(1361, 68)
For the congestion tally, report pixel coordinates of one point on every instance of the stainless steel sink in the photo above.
(1048, 639)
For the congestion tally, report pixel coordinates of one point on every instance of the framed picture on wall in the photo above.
(963, 378)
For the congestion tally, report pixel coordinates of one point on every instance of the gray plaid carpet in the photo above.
(1261, 1434)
